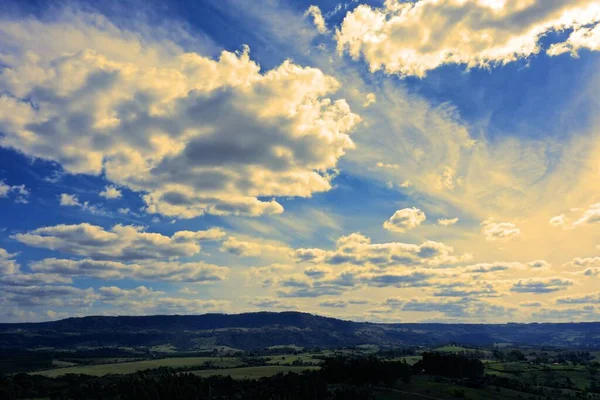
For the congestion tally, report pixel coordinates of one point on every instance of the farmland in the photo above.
(507, 372)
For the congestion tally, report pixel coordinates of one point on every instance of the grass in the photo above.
(131, 367)
(428, 386)
(545, 376)
(252, 372)
(288, 359)
(451, 349)
(61, 364)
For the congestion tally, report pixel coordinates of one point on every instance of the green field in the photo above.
(131, 367)
(289, 359)
(252, 372)
(422, 387)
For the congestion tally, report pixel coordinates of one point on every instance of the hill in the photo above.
(250, 331)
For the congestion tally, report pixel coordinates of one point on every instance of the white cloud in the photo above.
(357, 249)
(72, 200)
(370, 98)
(69, 200)
(318, 20)
(401, 38)
(559, 220)
(166, 271)
(404, 220)
(499, 230)
(541, 285)
(590, 216)
(43, 295)
(591, 298)
(110, 193)
(539, 264)
(7, 263)
(267, 276)
(591, 266)
(581, 38)
(158, 120)
(122, 243)
(447, 221)
(20, 192)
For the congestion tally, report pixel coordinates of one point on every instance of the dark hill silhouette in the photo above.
(262, 329)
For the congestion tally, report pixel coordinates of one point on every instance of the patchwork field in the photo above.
(131, 367)
(253, 372)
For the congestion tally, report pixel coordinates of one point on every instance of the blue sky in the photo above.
(197, 156)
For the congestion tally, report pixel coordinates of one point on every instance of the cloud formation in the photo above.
(541, 286)
(111, 193)
(167, 271)
(404, 220)
(158, 120)
(400, 38)
(493, 231)
(124, 243)
(19, 192)
(357, 249)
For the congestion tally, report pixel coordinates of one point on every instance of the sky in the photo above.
(386, 161)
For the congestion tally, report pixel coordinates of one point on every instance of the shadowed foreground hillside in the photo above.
(263, 329)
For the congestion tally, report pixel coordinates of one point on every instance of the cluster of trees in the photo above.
(365, 370)
(508, 356)
(452, 366)
(169, 386)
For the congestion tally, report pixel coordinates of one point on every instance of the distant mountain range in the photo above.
(263, 329)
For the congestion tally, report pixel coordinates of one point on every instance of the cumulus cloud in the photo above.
(124, 243)
(22, 279)
(493, 231)
(590, 216)
(168, 271)
(583, 313)
(400, 38)
(404, 220)
(495, 267)
(413, 279)
(144, 300)
(357, 249)
(267, 276)
(591, 265)
(317, 272)
(110, 193)
(271, 302)
(471, 292)
(541, 285)
(370, 98)
(72, 200)
(8, 265)
(19, 192)
(158, 120)
(44, 295)
(582, 38)
(447, 222)
(592, 298)
(539, 264)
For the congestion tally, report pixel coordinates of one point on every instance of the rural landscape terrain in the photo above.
(299, 199)
(294, 355)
